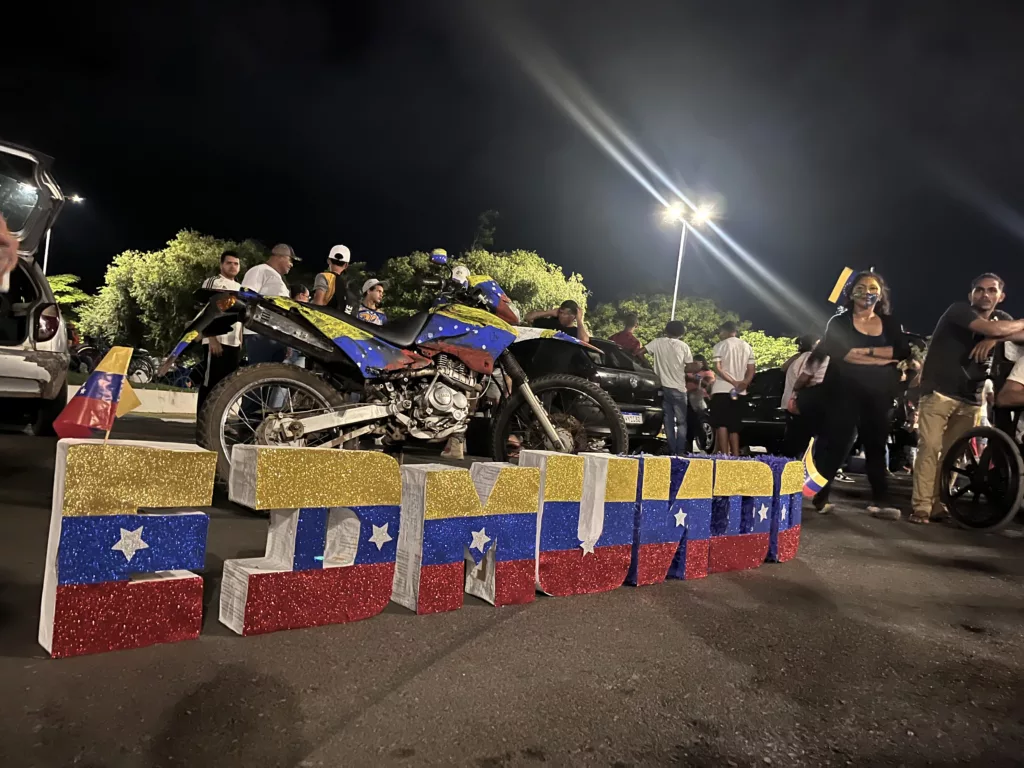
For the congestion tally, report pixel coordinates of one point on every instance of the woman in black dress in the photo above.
(863, 343)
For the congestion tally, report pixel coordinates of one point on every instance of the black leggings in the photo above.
(855, 412)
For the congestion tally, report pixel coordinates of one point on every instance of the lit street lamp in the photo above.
(702, 214)
(77, 199)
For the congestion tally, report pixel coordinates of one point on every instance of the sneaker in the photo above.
(841, 478)
(825, 509)
(884, 513)
(454, 449)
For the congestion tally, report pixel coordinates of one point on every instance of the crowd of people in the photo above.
(842, 389)
(225, 353)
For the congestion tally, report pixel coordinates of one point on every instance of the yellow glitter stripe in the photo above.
(620, 484)
(451, 493)
(291, 479)
(792, 478)
(477, 279)
(657, 478)
(735, 477)
(119, 479)
(698, 480)
(563, 478)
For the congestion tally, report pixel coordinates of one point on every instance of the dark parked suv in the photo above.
(631, 383)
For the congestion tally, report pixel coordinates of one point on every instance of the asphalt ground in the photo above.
(883, 643)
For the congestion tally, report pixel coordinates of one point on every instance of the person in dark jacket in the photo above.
(864, 344)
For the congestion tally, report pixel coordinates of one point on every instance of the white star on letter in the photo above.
(480, 539)
(680, 518)
(380, 535)
(783, 511)
(588, 547)
(763, 513)
(130, 543)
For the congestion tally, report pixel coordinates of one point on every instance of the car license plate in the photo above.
(632, 418)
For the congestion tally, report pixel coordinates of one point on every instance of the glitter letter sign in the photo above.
(330, 554)
(446, 524)
(741, 514)
(115, 578)
(787, 505)
(586, 521)
(672, 528)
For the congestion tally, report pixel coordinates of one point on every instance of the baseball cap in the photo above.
(283, 249)
(373, 283)
(340, 254)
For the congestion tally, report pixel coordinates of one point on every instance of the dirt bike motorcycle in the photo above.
(419, 378)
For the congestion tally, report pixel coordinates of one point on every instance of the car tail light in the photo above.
(48, 323)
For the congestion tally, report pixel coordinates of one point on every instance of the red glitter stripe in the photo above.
(570, 572)
(117, 615)
(789, 542)
(441, 587)
(698, 554)
(738, 553)
(514, 582)
(299, 599)
(653, 562)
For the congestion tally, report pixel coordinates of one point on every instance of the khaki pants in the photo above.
(941, 420)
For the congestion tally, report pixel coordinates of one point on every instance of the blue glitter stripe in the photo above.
(444, 541)
(86, 555)
(560, 525)
(311, 536)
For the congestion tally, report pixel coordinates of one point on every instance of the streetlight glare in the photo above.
(76, 199)
(703, 214)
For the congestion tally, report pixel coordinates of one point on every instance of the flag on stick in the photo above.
(105, 395)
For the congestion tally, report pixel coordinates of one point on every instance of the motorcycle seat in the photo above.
(401, 333)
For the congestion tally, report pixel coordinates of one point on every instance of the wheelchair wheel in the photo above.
(981, 479)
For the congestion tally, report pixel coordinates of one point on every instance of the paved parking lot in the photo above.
(882, 644)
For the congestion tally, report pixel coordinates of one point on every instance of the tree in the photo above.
(148, 297)
(530, 281)
(702, 318)
(485, 226)
(67, 293)
(769, 351)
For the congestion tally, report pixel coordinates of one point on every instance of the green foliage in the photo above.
(702, 318)
(67, 293)
(530, 281)
(147, 297)
(769, 351)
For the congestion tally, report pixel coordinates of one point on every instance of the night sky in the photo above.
(828, 133)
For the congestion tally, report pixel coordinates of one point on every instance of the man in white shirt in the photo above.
(734, 368)
(672, 361)
(267, 279)
(224, 352)
(802, 374)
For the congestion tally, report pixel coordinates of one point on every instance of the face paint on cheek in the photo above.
(870, 299)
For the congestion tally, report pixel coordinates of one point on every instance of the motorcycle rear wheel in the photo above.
(299, 390)
(577, 407)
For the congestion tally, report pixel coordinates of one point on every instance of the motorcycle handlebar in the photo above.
(431, 282)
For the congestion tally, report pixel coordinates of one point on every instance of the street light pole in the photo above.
(679, 268)
(46, 251)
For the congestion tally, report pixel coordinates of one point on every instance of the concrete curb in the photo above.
(160, 401)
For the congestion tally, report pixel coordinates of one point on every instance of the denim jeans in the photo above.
(674, 404)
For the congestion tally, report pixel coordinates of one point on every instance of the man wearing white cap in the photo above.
(329, 288)
(373, 295)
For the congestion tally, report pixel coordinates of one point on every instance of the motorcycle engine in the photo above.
(440, 409)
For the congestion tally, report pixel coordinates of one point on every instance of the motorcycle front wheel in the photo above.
(236, 410)
(583, 414)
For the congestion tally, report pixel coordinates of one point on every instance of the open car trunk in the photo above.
(30, 199)
(18, 305)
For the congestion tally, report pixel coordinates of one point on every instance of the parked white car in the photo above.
(34, 354)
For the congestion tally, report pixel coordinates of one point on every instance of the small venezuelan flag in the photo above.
(813, 481)
(105, 395)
